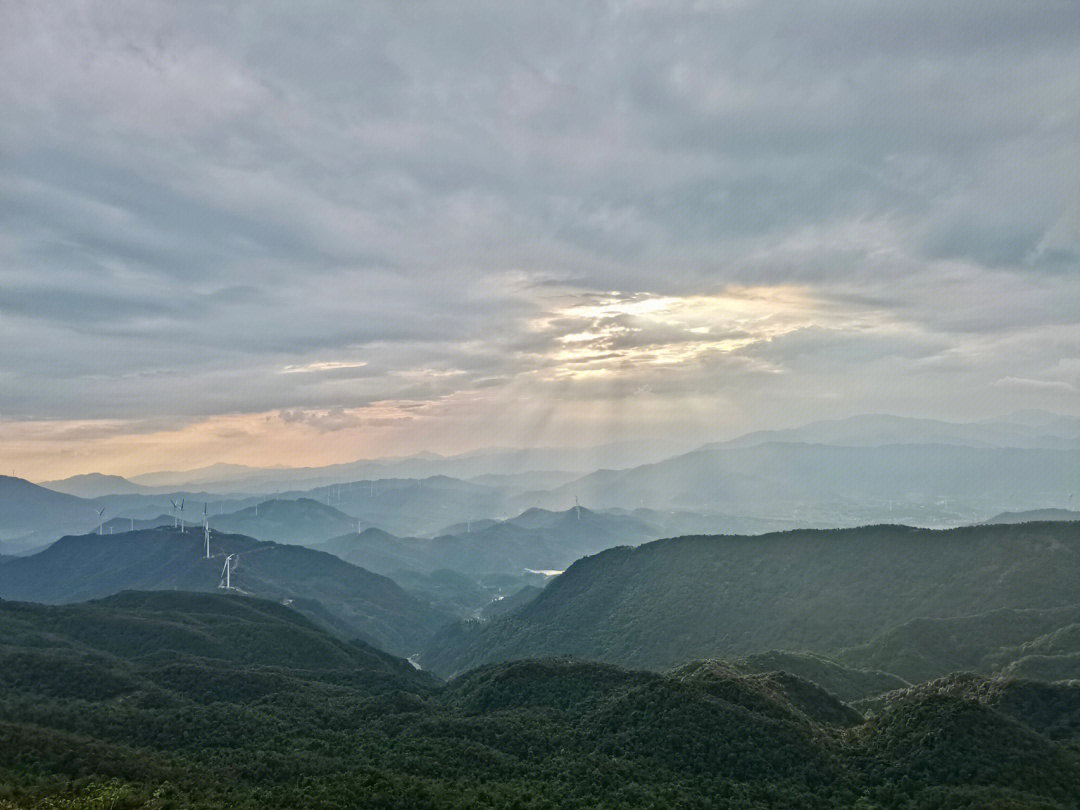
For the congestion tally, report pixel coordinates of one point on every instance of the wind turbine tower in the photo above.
(577, 507)
(173, 512)
(100, 519)
(226, 574)
(206, 530)
(182, 515)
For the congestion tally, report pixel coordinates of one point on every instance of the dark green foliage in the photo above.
(203, 700)
(687, 598)
(508, 604)
(955, 732)
(846, 683)
(1033, 515)
(1049, 708)
(770, 691)
(453, 593)
(1035, 643)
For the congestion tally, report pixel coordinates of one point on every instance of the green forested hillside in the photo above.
(175, 700)
(686, 598)
(1042, 644)
(357, 603)
(847, 683)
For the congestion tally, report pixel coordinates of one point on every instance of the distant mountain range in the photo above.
(1034, 515)
(32, 516)
(546, 468)
(94, 485)
(537, 539)
(826, 485)
(354, 602)
(681, 599)
(302, 521)
(525, 467)
(848, 472)
(1029, 429)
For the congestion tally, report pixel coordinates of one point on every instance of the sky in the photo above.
(297, 234)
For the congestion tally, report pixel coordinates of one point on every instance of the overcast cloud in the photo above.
(302, 233)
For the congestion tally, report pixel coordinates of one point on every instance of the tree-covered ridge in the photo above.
(1038, 644)
(846, 682)
(822, 591)
(352, 601)
(204, 700)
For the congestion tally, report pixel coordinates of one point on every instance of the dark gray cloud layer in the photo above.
(250, 207)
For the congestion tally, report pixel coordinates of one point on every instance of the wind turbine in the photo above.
(226, 574)
(182, 515)
(206, 530)
(100, 519)
(173, 512)
(577, 507)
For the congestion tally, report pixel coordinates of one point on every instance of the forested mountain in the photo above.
(351, 600)
(676, 600)
(203, 700)
(846, 682)
(167, 625)
(1041, 644)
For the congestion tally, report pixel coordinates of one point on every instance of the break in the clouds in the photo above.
(295, 233)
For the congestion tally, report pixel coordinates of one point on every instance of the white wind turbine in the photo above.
(173, 512)
(182, 500)
(100, 519)
(206, 530)
(226, 574)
